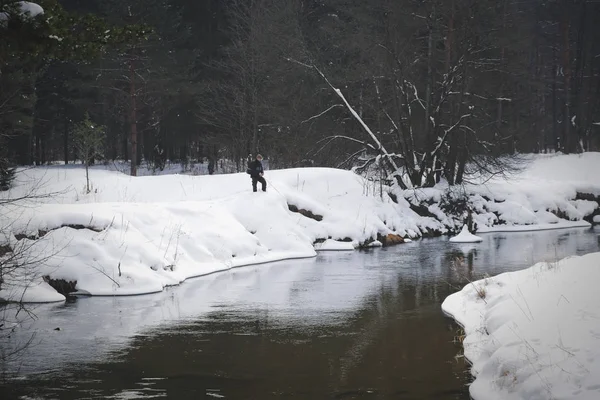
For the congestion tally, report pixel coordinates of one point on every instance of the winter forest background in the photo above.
(442, 86)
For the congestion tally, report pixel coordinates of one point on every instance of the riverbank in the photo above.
(134, 235)
(533, 334)
(550, 191)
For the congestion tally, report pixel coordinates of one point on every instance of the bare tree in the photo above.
(250, 99)
(415, 100)
(22, 252)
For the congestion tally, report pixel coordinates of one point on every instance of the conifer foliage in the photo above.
(447, 87)
(7, 174)
(88, 138)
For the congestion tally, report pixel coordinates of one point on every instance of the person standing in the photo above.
(256, 171)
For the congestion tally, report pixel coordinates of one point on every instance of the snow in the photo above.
(26, 9)
(578, 171)
(537, 227)
(543, 195)
(596, 219)
(30, 9)
(533, 334)
(465, 236)
(134, 235)
(30, 292)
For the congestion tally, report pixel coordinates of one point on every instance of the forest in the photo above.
(435, 88)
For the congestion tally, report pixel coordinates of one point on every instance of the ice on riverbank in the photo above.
(533, 334)
(333, 245)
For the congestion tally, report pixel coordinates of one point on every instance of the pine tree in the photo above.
(89, 142)
(7, 174)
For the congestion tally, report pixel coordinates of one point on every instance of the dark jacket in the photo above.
(255, 168)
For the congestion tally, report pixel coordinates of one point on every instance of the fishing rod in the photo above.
(271, 184)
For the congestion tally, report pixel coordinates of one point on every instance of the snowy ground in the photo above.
(542, 196)
(133, 235)
(533, 334)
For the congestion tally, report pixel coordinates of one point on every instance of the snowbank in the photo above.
(138, 235)
(533, 334)
(133, 235)
(465, 236)
(544, 195)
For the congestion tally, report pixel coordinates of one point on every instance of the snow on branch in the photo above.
(507, 99)
(442, 139)
(352, 111)
(359, 119)
(299, 63)
(415, 93)
(30, 9)
(350, 158)
(329, 139)
(24, 9)
(324, 112)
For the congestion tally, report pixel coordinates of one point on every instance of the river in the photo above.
(343, 325)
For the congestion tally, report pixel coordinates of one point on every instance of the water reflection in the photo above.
(343, 325)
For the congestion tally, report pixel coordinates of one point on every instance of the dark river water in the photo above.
(343, 325)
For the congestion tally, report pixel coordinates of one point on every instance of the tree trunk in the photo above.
(557, 142)
(463, 156)
(87, 177)
(125, 145)
(66, 137)
(38, 149)
(430, 77)
(255, 127)
(43, 147)
(502, 64)
(141, 152)
(450, 37)
(450, 165)
(578, 88)
(133, 117)
(566, 65)
(450, 168)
